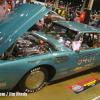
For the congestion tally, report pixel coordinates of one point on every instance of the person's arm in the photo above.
(42, 21)
(40, 25)
(37, 24)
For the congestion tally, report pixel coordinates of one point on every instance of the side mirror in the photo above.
(76, 46)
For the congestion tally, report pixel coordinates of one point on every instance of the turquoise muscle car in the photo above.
(30, 59)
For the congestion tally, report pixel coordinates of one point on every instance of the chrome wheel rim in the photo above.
(34, 80)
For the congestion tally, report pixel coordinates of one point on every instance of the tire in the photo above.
(34, 80)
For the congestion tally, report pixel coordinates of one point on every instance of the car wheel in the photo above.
(34, 80)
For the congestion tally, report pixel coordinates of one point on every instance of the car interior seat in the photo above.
(90, 41)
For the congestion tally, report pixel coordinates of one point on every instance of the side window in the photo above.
(89, 41)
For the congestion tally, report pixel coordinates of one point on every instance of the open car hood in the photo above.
(18, 22)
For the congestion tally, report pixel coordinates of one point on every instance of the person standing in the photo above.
(63, 13)
(14, 4)
(48, 20)
(59, 11)
(3, 9)
(72, 16)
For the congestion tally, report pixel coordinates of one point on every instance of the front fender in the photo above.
(13, 70)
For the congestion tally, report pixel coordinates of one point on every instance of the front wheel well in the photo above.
(50, 69)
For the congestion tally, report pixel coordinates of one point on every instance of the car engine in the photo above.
(27, 45)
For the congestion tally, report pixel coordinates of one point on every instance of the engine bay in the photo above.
(26, 45)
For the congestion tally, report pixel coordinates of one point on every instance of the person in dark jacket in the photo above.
(48, 20)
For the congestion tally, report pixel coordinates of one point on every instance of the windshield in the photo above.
(61, 34)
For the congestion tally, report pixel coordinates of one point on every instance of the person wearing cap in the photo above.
(3, 9)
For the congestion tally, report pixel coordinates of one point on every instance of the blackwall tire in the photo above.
(34, 80)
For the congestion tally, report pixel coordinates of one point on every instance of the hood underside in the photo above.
(18, 22)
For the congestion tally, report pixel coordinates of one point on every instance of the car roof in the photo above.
(80, 27)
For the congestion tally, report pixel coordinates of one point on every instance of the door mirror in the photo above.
(76, 45)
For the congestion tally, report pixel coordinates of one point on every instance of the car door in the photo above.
(88, 56)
